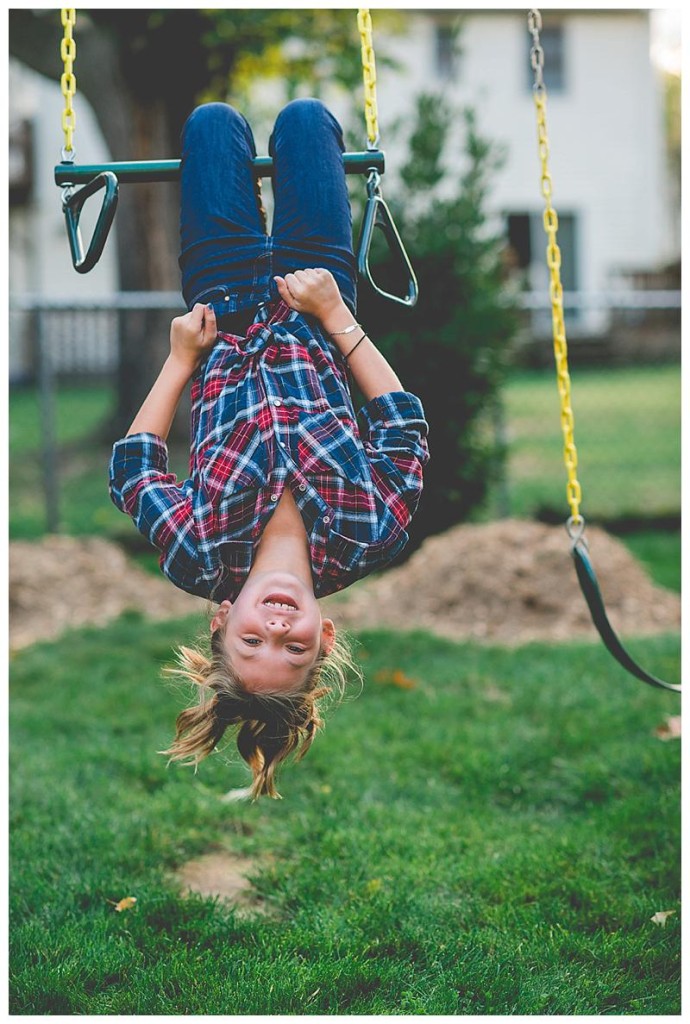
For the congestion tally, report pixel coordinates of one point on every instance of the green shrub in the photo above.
(450, 348)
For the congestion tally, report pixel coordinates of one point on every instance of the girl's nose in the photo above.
(277, 625)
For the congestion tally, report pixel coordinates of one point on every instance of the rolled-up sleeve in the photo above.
(160, 507)
(395, 440)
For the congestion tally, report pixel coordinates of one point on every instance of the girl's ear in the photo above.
(221, 616)
(327, 635)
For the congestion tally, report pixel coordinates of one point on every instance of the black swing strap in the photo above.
(595, 602)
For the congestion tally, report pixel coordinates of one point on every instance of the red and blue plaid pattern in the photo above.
(270, 411)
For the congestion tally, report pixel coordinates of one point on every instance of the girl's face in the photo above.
(273, 632)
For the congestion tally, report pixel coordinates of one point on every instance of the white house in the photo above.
(605, 120)
(39, 260)
(611, 184)
(39, 253)
(605, 116)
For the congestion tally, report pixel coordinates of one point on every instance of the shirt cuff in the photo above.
(138, 452)
(395, 409)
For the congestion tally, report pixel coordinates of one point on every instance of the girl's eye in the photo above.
(296, 650)
(251, 640)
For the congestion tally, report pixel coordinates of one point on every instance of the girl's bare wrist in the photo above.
(182, 365)
(337, 319)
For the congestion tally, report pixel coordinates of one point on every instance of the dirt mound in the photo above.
(508, 582)
(60, 583)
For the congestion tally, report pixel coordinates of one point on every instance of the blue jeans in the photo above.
(226, 257)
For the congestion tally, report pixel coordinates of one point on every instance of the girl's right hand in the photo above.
(193, 335)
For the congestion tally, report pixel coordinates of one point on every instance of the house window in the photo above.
(20, 163)
(552, 38)
(519, 240)
(527, 243)
(445, 56)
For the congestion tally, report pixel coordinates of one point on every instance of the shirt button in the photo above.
(277, 401)
(274, 497)
(302, 487)
(282, 444)
(326, 519)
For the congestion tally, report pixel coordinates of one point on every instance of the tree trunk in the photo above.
(147, 224)
(148, 243)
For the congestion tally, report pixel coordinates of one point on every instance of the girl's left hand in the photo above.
(312, 291)
(193, 335)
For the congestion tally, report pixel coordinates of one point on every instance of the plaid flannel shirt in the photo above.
(270, 411)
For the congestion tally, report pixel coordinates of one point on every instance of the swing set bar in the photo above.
(94, 177)
(134, 171)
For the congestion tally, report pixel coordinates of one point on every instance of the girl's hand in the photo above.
(314, 292)
(193, 335)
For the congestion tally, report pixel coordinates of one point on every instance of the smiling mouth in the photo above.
(281, 602)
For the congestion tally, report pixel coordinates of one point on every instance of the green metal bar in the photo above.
(169, 170)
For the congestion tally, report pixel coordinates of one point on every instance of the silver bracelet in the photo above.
(348, 330)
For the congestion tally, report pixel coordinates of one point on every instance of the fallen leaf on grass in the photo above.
(670, 729)
(124, 904)
(386, 677)
(661, 917)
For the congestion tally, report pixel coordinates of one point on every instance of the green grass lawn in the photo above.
(627, 431)
(85, 507)
(493, 840)
(659, 552)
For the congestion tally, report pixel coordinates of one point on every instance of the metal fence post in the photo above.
(502, 493)
(46, 386)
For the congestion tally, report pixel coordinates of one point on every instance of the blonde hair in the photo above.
(270, 725)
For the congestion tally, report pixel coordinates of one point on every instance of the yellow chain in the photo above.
(369, 73)
(68, 83)
(553, 259)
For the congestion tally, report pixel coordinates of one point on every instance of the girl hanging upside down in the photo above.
(288, 500)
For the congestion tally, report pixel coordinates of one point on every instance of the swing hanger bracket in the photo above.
(576, 529)
(373, 183)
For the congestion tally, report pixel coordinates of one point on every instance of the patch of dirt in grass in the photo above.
(506, 582)
(224, 876)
